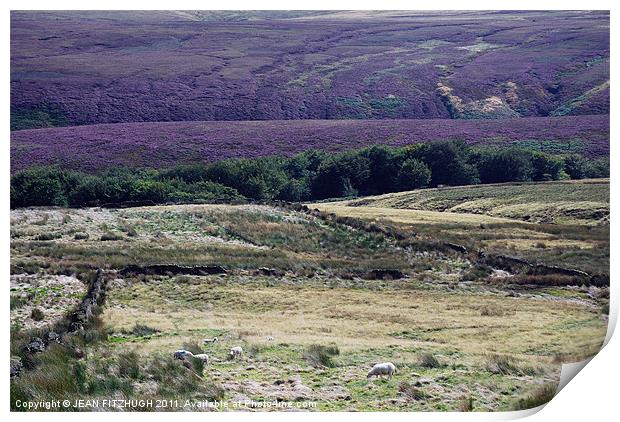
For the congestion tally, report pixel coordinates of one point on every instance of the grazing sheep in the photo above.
(210, 340)
(236, 351)
(269, 338)
(203, 357)
(386, 368)
(182, 354)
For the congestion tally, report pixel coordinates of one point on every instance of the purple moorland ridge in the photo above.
(114, 67)
(97, 147)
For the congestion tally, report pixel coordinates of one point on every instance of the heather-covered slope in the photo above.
(96, 147)
(73, 68)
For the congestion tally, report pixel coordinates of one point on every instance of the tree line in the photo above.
(311, 175)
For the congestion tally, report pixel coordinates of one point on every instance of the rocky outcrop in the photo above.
(84, 312)
(16, 366)
(36, 345)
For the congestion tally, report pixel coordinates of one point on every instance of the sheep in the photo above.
(236, 351)
(210, 340)
(269, 338)
(182, 354)
(203, 357)
(386, 368)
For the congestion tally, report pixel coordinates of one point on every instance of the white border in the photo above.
(593, 393)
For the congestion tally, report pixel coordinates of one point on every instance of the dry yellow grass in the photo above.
(407, 216)
(357, 319)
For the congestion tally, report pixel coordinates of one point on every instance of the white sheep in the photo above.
(236, 351)
(386, 368)
(210, 340)
(269, 338)
(203, 357)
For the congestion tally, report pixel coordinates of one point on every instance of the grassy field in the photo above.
(559, 223)
(570, 202)
(311, 331)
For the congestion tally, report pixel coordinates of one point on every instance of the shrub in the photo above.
(17, 301)
(505, 165)
(507, 365)
(294, 191)
(341, 175)
(37, 314)
(576, 166)
(321, 356)
(466, 404)
(81, 236)
(412, 392)
(95, 331)
(546, 166)
(383, 165)
(174, 379)
(129, 365)
(40, 186)
(48, 236)
(542, 395)
(427, 360)
(598, 168)
(54, 374)
(413, 174)
(449, 162)
(254, 350)
(111, 236)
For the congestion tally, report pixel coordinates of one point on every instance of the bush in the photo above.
(598, 168)
(546, 166)
(54, 374)
(449, 162)
(575, 166)
(129, 365)
(507, 365)
(466, 404)
(427, 360)
(48, 236)
(111, 236)
(37, 314)
(413, 174)
(294, 191)
(341, 175)
(17, 302)
(40, 186)
(383, 165)
(320, 356)
(540, 396)
(412, 392)
(505, 165)
(81, 236)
